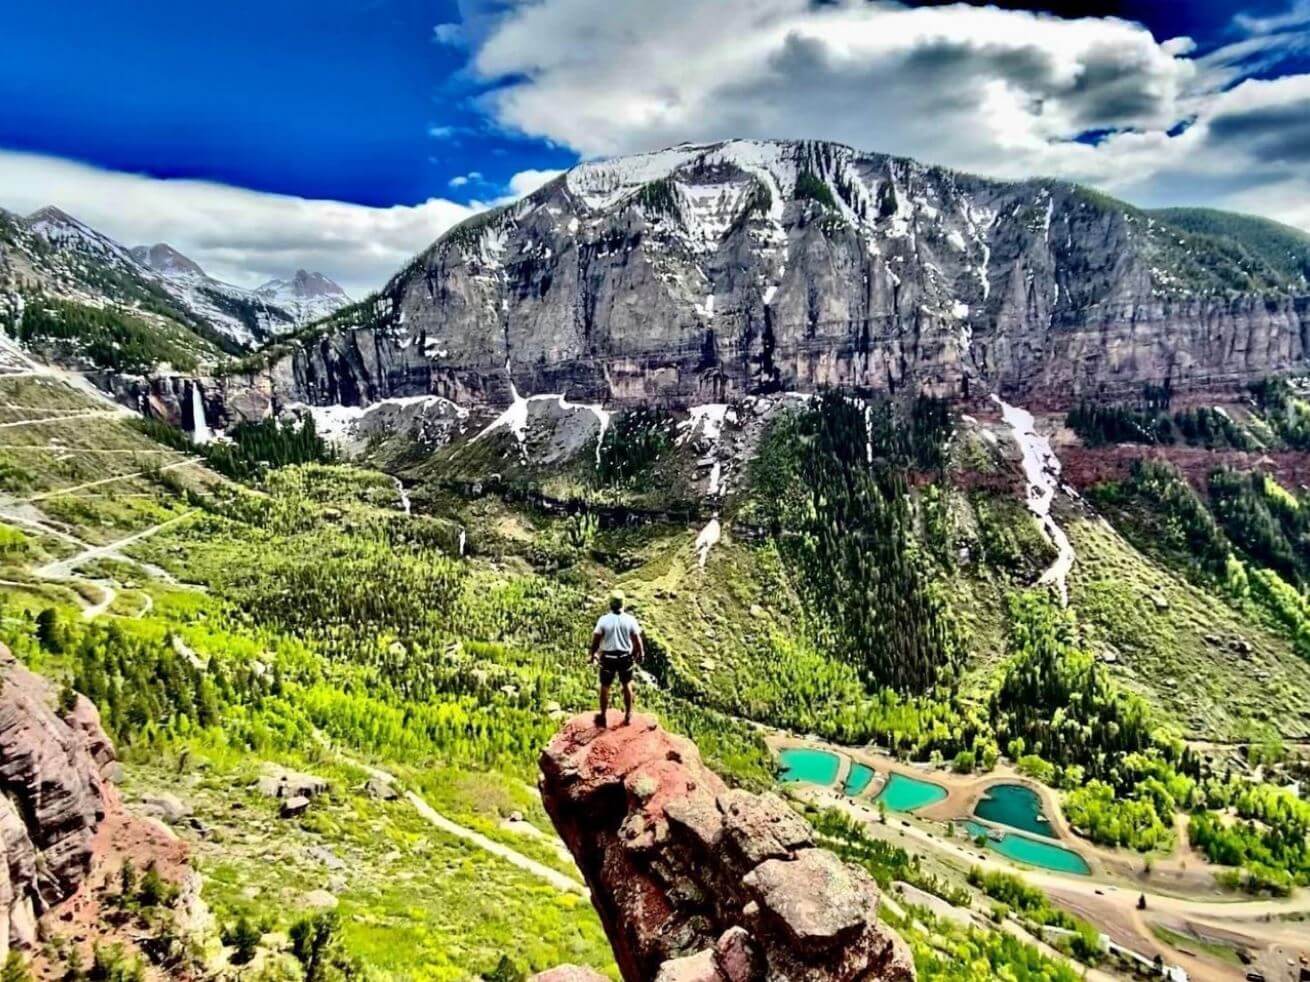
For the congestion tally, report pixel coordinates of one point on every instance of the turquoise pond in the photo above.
(1033, 852)
(810, 766)
(1015, 806)
(858, 779)
(905, 794)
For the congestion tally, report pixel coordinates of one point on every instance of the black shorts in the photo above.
(615, 663)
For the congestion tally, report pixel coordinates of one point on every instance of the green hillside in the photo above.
(1281, 248)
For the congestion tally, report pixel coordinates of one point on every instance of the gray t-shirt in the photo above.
(616, 631)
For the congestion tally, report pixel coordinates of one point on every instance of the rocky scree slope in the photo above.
(694, 881)
(703, 272)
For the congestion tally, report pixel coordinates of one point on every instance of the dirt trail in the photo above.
(88, 414)
(555, 878)
(59, 492)
(107, 598)
(62, 569)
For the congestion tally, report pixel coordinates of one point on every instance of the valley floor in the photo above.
(415, 649)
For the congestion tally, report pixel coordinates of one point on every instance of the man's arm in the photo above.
(638, 646)
(595, 644)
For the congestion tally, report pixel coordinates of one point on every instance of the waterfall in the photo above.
(404, 495)
(199, 428)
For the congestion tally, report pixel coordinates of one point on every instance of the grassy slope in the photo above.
(1187, 651)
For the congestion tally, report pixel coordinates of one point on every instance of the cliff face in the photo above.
(52, 797)
(702, 273)
(694, 881)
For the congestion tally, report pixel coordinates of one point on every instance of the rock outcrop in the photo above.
(697, 882)
(52, 796)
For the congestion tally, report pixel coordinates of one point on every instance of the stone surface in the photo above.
(696, 882)
(166, 807)
(569, 973)
(291, 807)
(280, 782)
(816, 898)
(52, 797)
(699, 967)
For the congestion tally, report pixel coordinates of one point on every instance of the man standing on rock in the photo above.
(617, 643)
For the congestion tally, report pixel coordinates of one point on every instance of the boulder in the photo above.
(292, 807)
(697, 882)
(569, 973)
(280, 782)
(381, 789)
(165, 807)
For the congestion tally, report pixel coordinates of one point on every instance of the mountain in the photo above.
(311, 296)
(1283, 250)
(163, 258)
(703, 272)
(156, 288)
(244, 315)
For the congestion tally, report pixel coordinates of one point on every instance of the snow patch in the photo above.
(515, 417)
(336, 424)
(1042, 469)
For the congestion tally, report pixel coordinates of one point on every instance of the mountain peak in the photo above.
(52, 215)
(303, 285)
(164, 259)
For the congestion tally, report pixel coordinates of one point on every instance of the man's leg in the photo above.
(604, 703)
(627, 700)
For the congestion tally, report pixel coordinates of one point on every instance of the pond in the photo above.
(905, 794)
(858, 779)
(809, 766)
(1033, 852)
(1015, 806)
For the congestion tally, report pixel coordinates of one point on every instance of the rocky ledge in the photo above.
(697, 882)
(52, 796)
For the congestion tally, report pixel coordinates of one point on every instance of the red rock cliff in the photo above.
(52, 797)
(696, 882)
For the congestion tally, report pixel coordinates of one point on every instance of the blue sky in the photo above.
(349, 133)
(320, 98)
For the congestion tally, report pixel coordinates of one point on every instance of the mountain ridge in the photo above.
(65, 258)
(706, 271)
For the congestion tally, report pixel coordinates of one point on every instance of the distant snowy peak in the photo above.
(308, 296)
(303, 286)
(64, 232)
(73, 257)
(167, 261)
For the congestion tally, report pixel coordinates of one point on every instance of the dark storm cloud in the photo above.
(1278, 134)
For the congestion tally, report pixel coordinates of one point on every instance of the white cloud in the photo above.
(242, 236)
(1008, 93)
(527, 181)
(451, 34)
